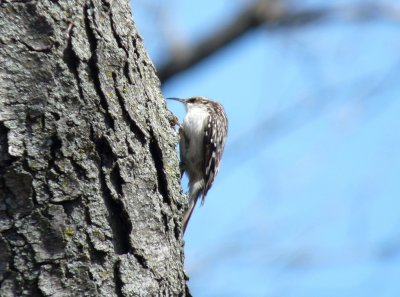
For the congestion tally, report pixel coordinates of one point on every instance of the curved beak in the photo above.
(176, 99)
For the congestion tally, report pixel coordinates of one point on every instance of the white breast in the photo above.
(193, 124)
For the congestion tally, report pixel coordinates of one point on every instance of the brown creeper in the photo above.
(202, 140)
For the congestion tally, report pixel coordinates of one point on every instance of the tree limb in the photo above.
(275, 16)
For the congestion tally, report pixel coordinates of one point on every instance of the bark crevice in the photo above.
(117, 280)
(131, 123)
(94, 66)
(5, 158)
(44, 49)
(118, 38)
(72, 61)
(118, 217)
(157, 155)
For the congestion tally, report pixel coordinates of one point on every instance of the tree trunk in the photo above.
(90, 201)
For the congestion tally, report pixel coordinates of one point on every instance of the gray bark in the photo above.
(90, 201)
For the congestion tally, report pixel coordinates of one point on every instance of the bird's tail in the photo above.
(194, 193)
(188, 214)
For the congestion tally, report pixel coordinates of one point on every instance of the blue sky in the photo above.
(307, 199)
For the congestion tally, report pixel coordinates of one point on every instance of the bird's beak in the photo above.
(176, 99)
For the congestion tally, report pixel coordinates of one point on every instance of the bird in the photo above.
(203, 135)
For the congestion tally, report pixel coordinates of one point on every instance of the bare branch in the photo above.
(275, 16)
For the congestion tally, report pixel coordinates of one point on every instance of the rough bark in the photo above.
(90, 201)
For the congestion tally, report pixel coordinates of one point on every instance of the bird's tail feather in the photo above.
(188, 214)
(194, 194)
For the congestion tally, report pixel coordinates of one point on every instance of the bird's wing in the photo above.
(214, 141)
